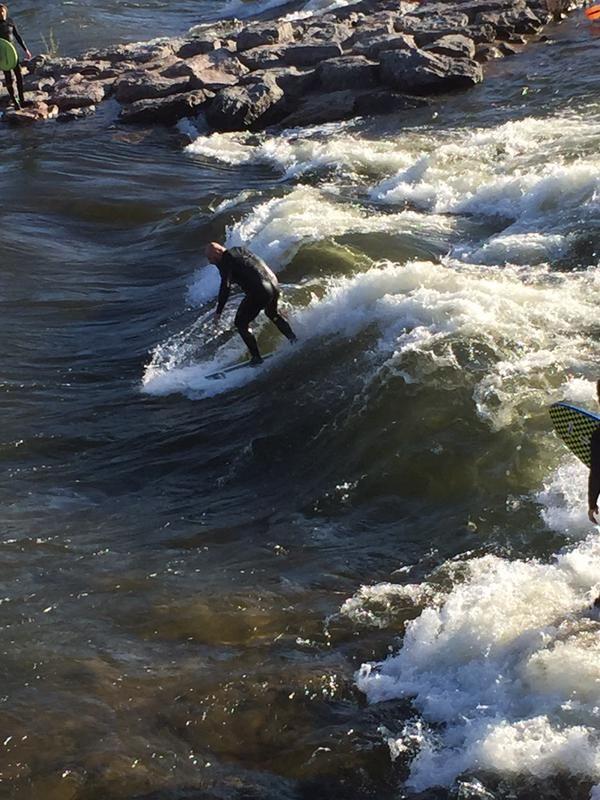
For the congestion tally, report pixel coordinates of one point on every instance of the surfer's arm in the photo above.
(19, 39)
(594, 479)
(224, 290)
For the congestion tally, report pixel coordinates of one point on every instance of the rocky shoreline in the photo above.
(372, 57)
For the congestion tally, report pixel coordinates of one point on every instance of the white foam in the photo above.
(507, 668)
(377, 606)
(526, 322)
(564, 498)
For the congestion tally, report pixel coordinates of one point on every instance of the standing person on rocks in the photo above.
(260, 287)
(594, 479)
(8, 31)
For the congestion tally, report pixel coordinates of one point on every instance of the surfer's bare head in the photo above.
(214, 252)
(3, 11)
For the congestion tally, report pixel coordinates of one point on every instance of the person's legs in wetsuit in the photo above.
(277, 319)
(249, 309)
(10, 86)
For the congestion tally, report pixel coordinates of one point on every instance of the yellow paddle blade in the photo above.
(593, 12)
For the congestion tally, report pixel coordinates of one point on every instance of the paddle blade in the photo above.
(593, 12)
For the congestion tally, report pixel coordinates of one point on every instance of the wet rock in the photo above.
(321, 108)
(418, 72)
(487, 52)
(373, 47)
(198, 46)
(240, 108)
(264, 34)
(426, 27)
(327, 32)
(454, 45)
(481, 33)
(166, 110)
(347, 72)
(76, 92)
(309, 54)
(213, 70)
(36, 112)
(149, 86)
(293, 81)
(76, 113)
(386, 102)
(507, 49)
(262, 57)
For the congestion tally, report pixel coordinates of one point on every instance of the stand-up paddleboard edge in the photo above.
(8, 56)
(575, 426)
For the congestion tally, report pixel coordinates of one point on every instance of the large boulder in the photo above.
(270, 55)
(148, 86)
(372, 47)
(327, 31)
(37, 112)
(138, 53)
(166, 110)
(75, 92)
(454, 45)
(293, 81)
(213, 70)
(421, 73)
(255, 105)
(310, 53)
(199, 45)
(347, 72)
(432, 24)
(261, 34)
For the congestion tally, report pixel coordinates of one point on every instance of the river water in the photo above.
(363, 570)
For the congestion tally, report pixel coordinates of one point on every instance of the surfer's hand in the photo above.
(28, 55)
(592, 514)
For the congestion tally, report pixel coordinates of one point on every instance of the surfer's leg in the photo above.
(248, 310)
(10, 88)
(278, 319)
(19, 77)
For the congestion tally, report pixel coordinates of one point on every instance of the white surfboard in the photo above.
(223, 373)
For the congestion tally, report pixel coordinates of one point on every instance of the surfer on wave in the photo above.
(260, 287)
(9, 32)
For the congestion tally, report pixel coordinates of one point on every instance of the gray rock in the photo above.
(38, 112)
(76, 93)
(138, 53)
(309, 54)
(238, 108)
(76, 113)
(198, 46)
(148, 86)
(454, 45)
(347, 72)
(166, 110)
(422, 27)
(258, 35)
(321, 108)
(217, 69)
(481, 33)
(487, 52)
(292, 81)
(372, 47)
(262, 57)
(418, 72)
(327, 32)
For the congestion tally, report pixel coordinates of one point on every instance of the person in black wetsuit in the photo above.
(259, 285)
(8, 31)
(594, 479)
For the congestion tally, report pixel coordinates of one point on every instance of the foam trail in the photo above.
(507, 668)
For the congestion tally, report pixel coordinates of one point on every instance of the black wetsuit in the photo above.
(8, 31)
(261, 290)
(594, 479)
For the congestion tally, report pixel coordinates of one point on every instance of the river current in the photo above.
(363, 570)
